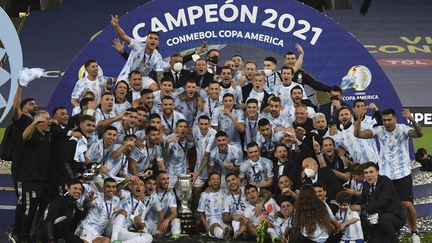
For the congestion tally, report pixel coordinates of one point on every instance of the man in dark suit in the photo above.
(331, 109)
(212, 58)
(200, 74)
(59, 129)
(380, 197)
(176, 71)
(313, 173)
(256, 91)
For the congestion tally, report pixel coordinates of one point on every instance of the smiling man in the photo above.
(143, 57)
(100, 212)
(65, 208)
(380, 199)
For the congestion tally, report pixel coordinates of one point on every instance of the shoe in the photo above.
(260, 234)
(276, 240)
(179, 236)
(415, 238)
(226, 232)
(265, 225)
(12, 237)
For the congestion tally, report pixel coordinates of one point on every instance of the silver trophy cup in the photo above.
(184, 192)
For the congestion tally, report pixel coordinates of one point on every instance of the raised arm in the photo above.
(120, 32)
(357, 128)
(16, 103)
(298, 64)
(28, 132)
(416, 132)
(318, 153)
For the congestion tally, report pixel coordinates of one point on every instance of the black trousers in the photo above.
(385, 230)
(36, 197)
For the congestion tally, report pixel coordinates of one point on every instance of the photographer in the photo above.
(331, 109)
(424, 159)
(380, 202)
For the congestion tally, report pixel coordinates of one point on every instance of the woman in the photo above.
(311, 221)
(120, 102)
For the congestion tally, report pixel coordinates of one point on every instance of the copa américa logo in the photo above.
(12, 48)
(358, 78)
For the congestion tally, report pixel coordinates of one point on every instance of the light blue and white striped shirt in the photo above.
(395, 162)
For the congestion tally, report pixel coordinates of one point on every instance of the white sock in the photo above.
(145, 238)
(273, 233)
(235, 225)
(117, 226)
(175, 226)
(218, 233)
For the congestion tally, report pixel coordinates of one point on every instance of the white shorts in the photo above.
(151, 227)
(215, 220)
(87, 235)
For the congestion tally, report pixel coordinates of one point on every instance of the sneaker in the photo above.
(226, 232)
(276, 240)
(415, 238)
(179, 236)
(265, 225)
(260, 234)
(12, 237)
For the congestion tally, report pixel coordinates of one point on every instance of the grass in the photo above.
(2, 131)
(425, 237)
(425, 141)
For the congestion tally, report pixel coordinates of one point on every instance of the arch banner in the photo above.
(332, 54)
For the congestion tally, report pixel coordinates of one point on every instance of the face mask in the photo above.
(178, 66)
(267, 72)
(213, 60)
(309, 172)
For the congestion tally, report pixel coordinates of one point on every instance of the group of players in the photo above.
(248, 139)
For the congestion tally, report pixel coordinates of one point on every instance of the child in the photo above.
(355, 185)
(349, 220)
(282, 224)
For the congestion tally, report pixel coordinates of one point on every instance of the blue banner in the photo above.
(332, 54)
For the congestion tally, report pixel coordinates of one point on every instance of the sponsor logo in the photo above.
(358, 77)
(405, 62)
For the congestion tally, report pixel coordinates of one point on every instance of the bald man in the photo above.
(312, 173)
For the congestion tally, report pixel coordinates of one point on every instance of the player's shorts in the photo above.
(87, 235)
(404, 188)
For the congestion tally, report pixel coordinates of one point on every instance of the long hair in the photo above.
(309, 212)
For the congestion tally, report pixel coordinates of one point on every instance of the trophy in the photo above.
(184, 193)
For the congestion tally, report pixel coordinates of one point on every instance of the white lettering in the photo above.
(194, 12)
(157, 26)
(179, 21)
(428, 119)
(245, 12)
(234, 10)
(135, 33)
(291, 22)
(211, 13)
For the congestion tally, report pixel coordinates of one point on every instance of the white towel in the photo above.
(29, 74)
